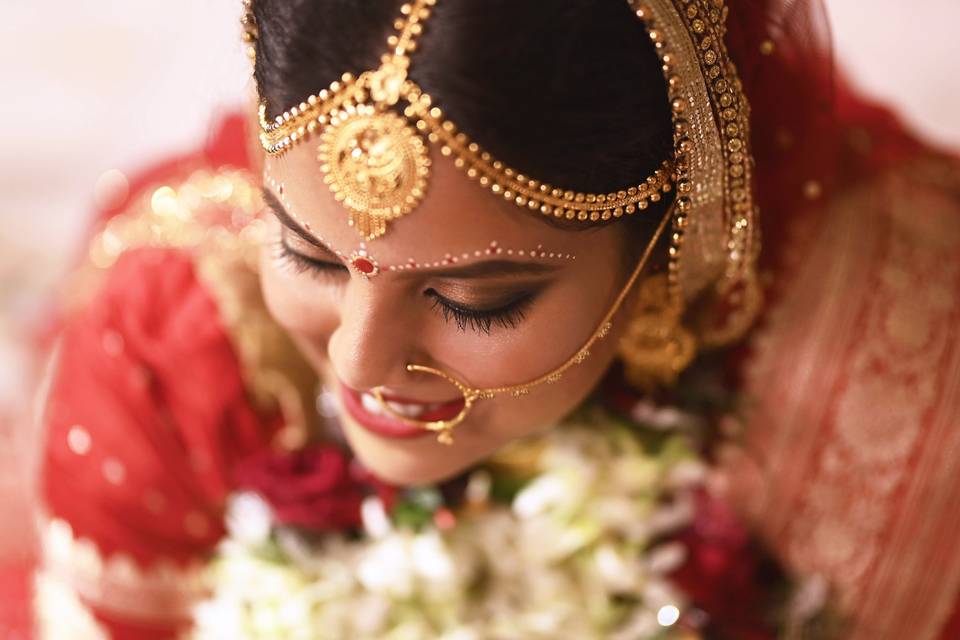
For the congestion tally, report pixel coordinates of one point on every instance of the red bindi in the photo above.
(364, 266)
(363, 263)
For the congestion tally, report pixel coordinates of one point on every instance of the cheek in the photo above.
(554, 329)
(299, 303)
(548, 403)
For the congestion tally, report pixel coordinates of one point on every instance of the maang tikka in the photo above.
(376, 129)
(374, 154)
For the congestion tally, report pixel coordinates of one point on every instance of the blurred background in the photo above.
(96, 89)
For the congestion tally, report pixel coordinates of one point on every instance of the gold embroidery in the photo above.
(74, 566)
(857, 450)
(60, 614)
(215, 215)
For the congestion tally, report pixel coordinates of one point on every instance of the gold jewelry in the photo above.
(249, 34)
(715, 235)
(366, 264)
(375, 161)
(656, 346)
(375, 165)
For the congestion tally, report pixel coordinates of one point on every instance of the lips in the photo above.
(364, 408)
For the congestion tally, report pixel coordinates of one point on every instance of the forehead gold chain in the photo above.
(374, 132)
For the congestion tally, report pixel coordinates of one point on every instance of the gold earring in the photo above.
(656, 347)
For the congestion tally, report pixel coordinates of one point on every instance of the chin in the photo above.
(409, 462)
(410, 475)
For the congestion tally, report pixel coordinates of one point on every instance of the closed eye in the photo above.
(301, 263)
(504, 316)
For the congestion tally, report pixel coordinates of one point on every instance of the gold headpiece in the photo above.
(374, 158)
(715, 233)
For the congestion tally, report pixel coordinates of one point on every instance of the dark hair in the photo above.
(569, 91)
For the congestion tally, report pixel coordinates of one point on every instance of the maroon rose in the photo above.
(386, 492)
(727, 573)
(316, 488)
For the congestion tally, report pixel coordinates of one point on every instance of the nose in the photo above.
(374, 341)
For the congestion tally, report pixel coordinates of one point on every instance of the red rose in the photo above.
(315, 488)
(727, 573)
(386, 492)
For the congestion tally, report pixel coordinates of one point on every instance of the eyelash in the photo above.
(480, 320)
(301, 263)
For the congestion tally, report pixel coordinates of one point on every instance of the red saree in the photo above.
(851, 447)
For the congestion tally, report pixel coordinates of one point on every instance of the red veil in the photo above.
(853, 374)
(811, 133)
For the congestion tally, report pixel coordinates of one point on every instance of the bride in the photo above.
(456, 221)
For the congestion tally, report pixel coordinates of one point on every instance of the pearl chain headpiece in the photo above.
(374, 155)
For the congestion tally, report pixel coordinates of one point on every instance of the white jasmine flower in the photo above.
(431, 559)
(688, 473)
(223, 616)
(666, 558)
(461, 633)
(545, 566)
(376, 522)
(387, 567)
(618, 573)
(371, 613)
(249, 518)
(549, 491)
(663, 418)
(671, 517)
(641, 624)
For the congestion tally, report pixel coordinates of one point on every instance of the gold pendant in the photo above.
(375, 164)
(656, 347)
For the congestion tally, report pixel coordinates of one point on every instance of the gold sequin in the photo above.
(164, 201)
(812, 189)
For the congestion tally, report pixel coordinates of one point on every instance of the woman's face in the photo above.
(486, 292)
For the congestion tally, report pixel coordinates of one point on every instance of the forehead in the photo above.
(455, 216)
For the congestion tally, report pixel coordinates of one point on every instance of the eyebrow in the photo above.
(287, 220)
(474, 270)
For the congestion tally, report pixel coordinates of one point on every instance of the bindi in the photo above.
(363, 263)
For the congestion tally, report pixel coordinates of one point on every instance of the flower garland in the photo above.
(574, 535)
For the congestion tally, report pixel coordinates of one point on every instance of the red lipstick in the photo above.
(366, 411)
